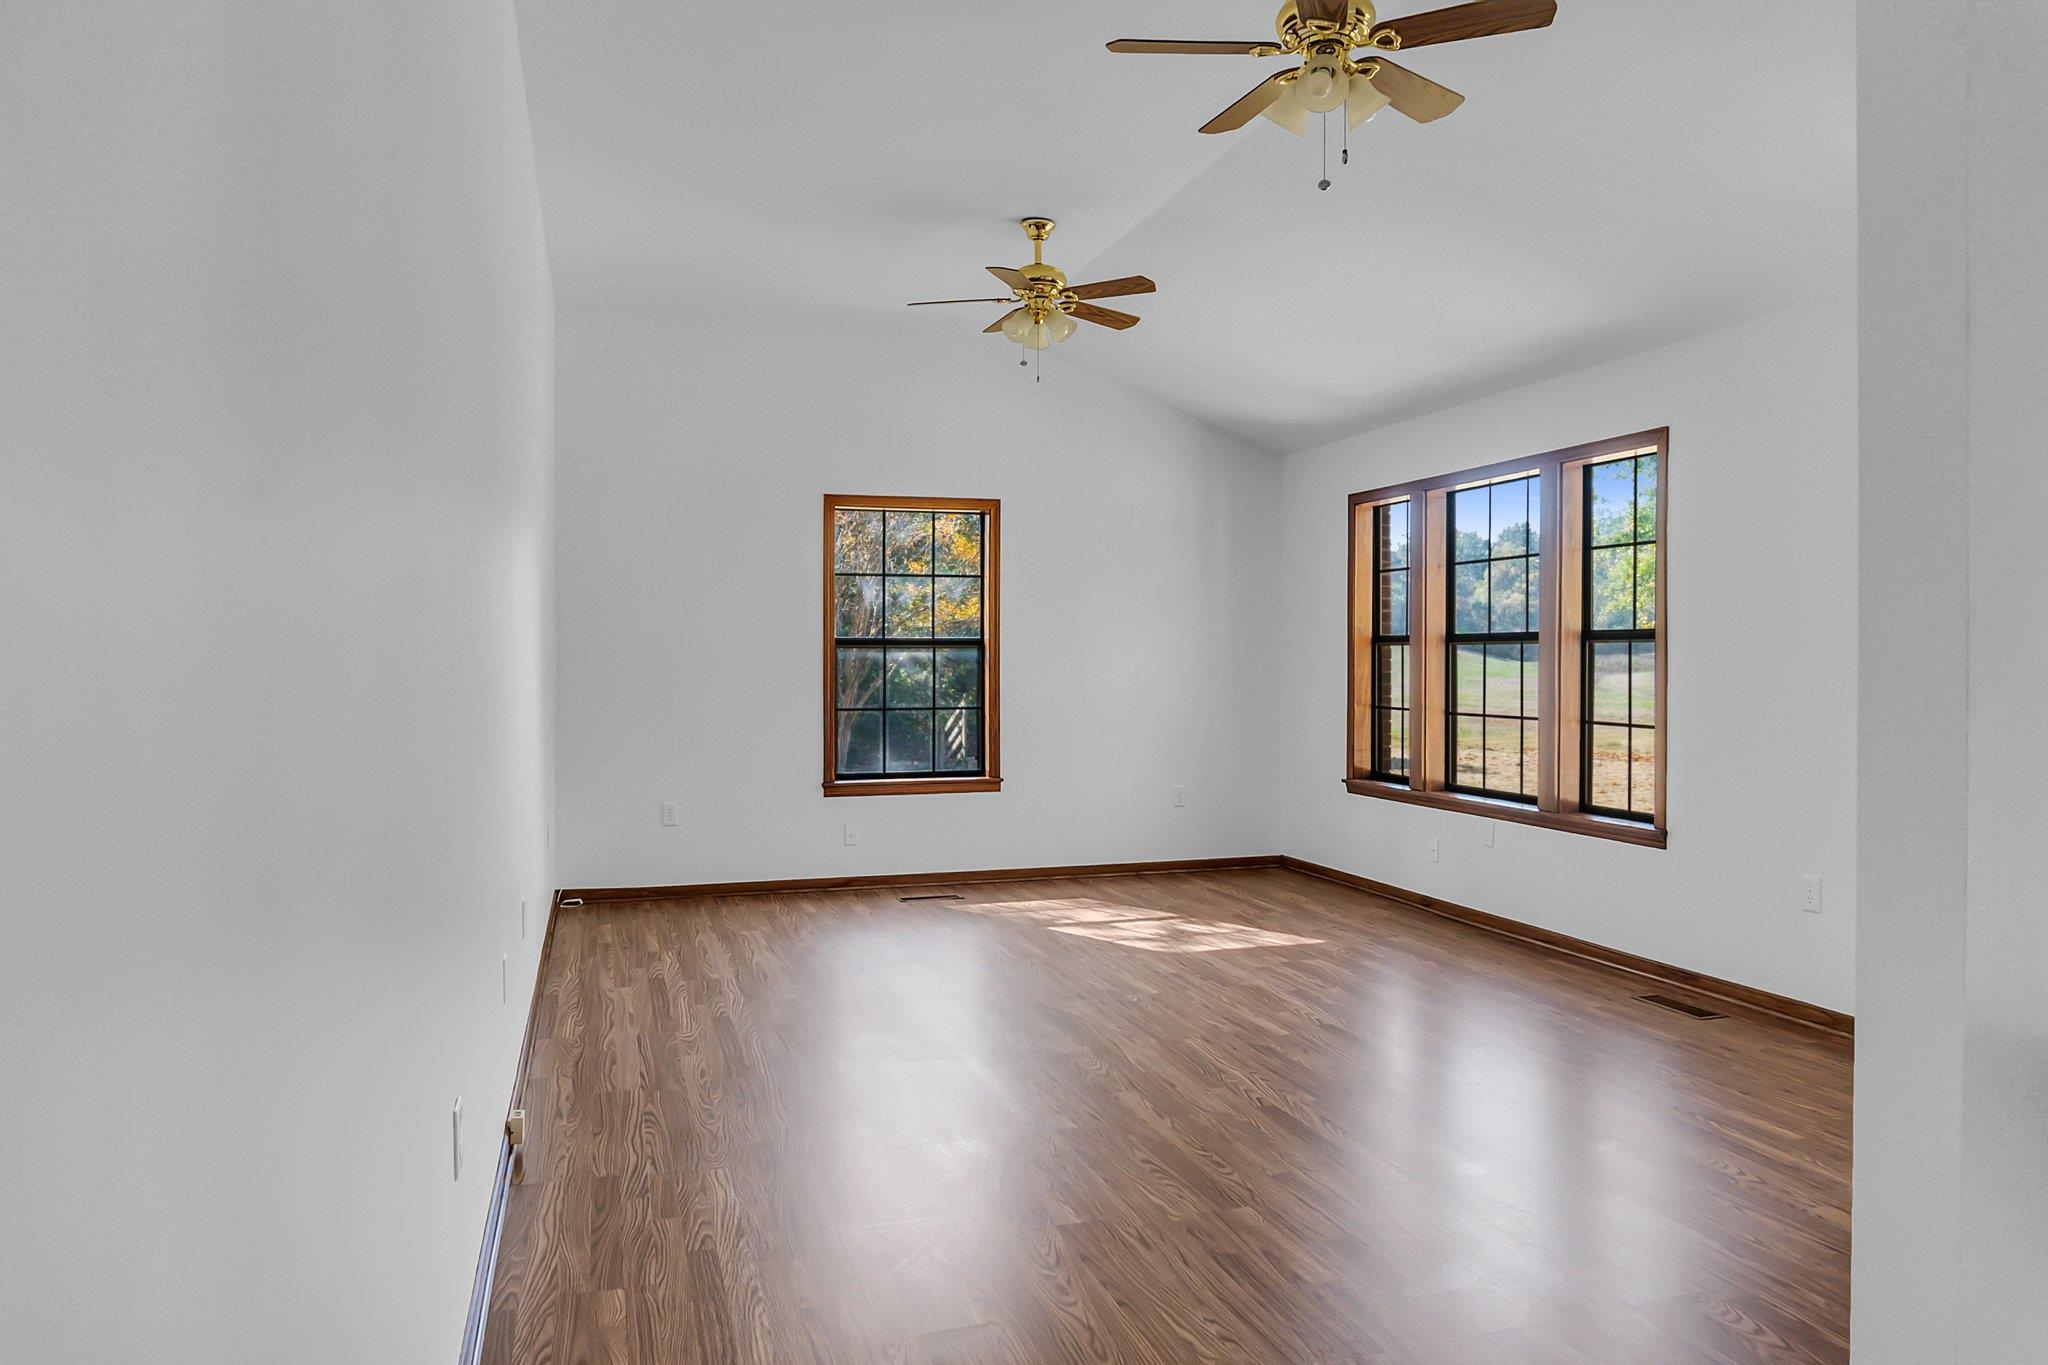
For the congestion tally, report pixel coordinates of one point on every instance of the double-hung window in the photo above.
(1507, 640)
(910, 645)
(1492, 642)
(1390, 578)
(1619, 655)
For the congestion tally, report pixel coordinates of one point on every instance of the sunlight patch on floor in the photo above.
(1156, 931)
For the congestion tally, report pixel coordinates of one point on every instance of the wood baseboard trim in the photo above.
(509, 1161)
(1751, 998)
(993, 874)
(1734, 993)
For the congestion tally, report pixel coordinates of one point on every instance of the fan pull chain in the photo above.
(1324, 183)
(1346, 160)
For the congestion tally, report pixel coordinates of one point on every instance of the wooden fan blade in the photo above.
(1110, 289)
(1250, 107)
(1323, 11)
(1482, 19)
(1104, 317)
(928, 303)
(1419, 97)
(1173, 45)
(1014, 278)
(997, 325)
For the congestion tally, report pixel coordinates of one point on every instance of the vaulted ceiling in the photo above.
(1637, 173)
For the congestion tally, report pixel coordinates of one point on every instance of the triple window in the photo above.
(1507, 640)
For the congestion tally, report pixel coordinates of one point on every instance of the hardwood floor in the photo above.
(1246, 1116)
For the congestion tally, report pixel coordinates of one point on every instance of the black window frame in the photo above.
(851, 694)
(1530, 637)
(1382, 639)
(1592, 636)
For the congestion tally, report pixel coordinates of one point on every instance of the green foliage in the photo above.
(1512, 586)
(857, 541)
(885, 561)
(1494, 579)
(1624, 509)
(1494, 589)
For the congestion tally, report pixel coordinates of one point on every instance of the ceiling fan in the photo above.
(1048, 310)
(1326, 33)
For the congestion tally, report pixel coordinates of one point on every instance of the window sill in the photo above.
(1571, 822)
(912, 786)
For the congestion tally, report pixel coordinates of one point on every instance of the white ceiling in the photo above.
(1631, 176)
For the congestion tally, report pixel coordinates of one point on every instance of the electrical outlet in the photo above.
(456, 1128)
(1436, 850)
(504, 978)
(522, 917)
(1180, 796)
(847, 833)
(1809, 895)
(671, 815)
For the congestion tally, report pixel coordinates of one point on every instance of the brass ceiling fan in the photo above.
(1326, 33)
(1047, 309)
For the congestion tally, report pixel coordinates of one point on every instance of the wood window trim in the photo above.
(922, 784)
(1514, 812)
(1557, 806)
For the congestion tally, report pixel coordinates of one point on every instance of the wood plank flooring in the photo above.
(1244, 1116)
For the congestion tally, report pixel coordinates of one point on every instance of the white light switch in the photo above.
(1436, 850)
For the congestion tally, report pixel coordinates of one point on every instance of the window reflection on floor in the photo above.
(1156, 931)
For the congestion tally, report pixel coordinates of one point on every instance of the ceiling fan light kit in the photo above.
(1342, 45)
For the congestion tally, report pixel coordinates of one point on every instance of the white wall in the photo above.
(1761, 562)
(697, 438)
(1952, 961)
(274, 668)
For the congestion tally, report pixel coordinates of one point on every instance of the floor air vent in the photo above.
(942, 896)
(1680, 1006)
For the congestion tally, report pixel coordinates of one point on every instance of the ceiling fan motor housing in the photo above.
(1299, 34)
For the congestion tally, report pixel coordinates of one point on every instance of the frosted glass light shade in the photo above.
(1288, 111)
(1060, 326)
(1365, 100)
